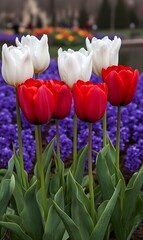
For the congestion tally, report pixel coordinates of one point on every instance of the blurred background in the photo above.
(68, 22)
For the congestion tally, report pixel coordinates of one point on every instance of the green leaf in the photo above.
(53, 219)
(103, 222)
(6, 189)
(46, 157)
(106, 183)
(55, 183)
(47, 154)
(80, 168)
(18, 195)
(131, 195)
(16, 229)
(79, 213)
(70, 226)
(31, 216)
(18, 170)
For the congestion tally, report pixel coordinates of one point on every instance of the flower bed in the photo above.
(57, 36)
(131, 127)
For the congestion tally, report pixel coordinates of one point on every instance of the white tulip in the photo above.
(16, 64)
(74, 65)
(39, 50)
(105, 52)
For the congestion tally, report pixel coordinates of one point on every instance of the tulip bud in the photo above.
(74, 65)
(62, 98)
(89, 100)
(105, 52)
(16, 64)
(39, 51)
(36, 101)
(121, 82)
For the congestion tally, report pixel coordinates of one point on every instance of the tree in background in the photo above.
(121, 15)
(83, 17)
(103, 20)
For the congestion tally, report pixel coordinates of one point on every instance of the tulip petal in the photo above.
(79, 102)
(43, 104)
(63, 100)
(95, 104)
(26, 103)
(116, 91)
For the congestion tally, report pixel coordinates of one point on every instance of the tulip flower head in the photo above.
(74, 65)
(121, 82)
(39, 51)
(36, 101)
(62, 98)
(105, 52)
(90, 100)
(16, 64)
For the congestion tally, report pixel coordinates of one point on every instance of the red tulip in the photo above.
(89, 100)
(62, 98)
(121, 82)
(36, 101)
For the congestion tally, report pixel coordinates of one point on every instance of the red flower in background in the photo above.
(62, 98)
(121, 82)
(36, 101)
(90, 100)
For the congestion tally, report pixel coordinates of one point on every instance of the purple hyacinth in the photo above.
(131, 127)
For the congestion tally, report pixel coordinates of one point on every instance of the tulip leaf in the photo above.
(107, 190)
(55, 183)
(80, 168)
(47, 179)
(16, 229)
(79, 213)
(6, 190)
(46, 157)
(53, 220)
(18, 195)
(70, 226)
(30, 215)
(103, 222)
(47, 154)
(131, 195)
(136, 219)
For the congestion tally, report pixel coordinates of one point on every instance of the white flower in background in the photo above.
(39, 50)
(105, 52)
(74, 65)
(16, 64)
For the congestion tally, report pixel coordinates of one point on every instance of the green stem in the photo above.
(104, 129)
(91, 190)
(58, 145)
(21, 162)
(118, 137)
(40, 167)
(75, 143)
(36, 75)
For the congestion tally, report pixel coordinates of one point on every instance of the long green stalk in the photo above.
(58, 145)
(75, 143)
(118, 137)
(40, 167)
(104, 129)
(21, 162)
(91, 190)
